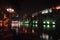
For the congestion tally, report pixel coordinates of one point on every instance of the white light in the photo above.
(15, 23)
(19, 24)
(48, 22)
(44, 11)
(36, 25)
(53, 26)
(47, 37)
(50, 10)
(44, 22)
(44, 26)
(10, 10)
(33, 31)
(53, 22)
(44, 36)
(36, 22)
(48, 26)
(32, 15)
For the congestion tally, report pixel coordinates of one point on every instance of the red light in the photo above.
(6, 22)
(25, 31)
(1, 23)
(56, 7)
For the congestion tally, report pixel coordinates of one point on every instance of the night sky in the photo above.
(29, 6)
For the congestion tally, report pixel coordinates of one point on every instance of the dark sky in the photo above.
(30, 5)
(38, 5)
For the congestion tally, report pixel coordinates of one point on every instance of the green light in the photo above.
(36, 21)
(48, 22)
(26, 22)
(27, 25)
(53, 22)
(44, 22)
(36, 25)
(53, 26)
(21, 23)
(44, 26)
(48, 26)
(33, 21)
(33, 25)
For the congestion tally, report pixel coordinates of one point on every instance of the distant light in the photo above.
(33, 21)
(33, 25)
(36, 21)
(48, 26)
(44, 11)
(44, 22)
(50, 10)
(44, 26)
(53, 22)
(15, 23)
(10, 10)
(32, 15)
(48, 22)
(26, 22)
(47, 37)
(27, 25)
(44, 36)
(58, 7)
(36, 25)
(21, 23)
(33, 31)
(53, 26)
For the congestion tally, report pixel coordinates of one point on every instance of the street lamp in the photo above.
(10, 10)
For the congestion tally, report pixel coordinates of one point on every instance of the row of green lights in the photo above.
(23, 24)
(35, 21)
(48, 26)
(26, 23)
(48, 22)
(35, 25)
